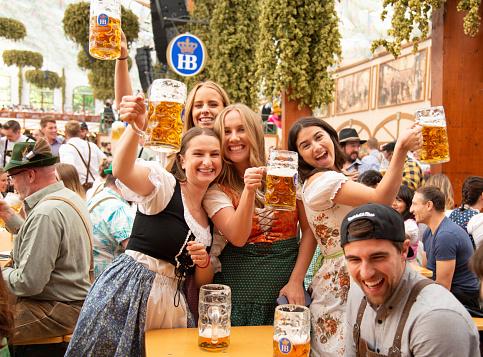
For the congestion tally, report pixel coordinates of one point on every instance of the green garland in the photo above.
(22, 58)
(100, 74)
(416, 14)
(12, 29)
(232, 45)
(43, 79)
(299, 45)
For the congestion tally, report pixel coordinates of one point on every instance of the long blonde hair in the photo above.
(253, 126)
(442, 182)
(188, 109)
(69, 175)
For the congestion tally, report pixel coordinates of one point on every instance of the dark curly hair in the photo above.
(471, 191)
(6, 312)
(306, 170)
(405, 194)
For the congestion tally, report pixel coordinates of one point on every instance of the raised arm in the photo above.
(236, 225)
(122, 81)
(355, 194)
(135, 177)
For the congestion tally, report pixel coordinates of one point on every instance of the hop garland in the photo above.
(43, 79)
(299, 45)
(416, 14)
(12, 29)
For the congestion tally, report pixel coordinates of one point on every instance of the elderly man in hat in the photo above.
(392, 309)
(351, 143)
(52, 252)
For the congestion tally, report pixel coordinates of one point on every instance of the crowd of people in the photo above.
(108, 248)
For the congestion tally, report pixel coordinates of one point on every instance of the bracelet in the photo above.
(207, 263)
(138, 131)
(123, 58)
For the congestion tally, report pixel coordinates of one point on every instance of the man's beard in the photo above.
(353, 156)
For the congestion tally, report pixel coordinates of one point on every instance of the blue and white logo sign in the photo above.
(102, 20)
(186, 55)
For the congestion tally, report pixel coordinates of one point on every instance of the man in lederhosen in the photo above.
(392, 309)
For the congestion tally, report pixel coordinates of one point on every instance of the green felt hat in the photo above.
(31, 154)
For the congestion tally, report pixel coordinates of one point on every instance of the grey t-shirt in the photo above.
(438, 325)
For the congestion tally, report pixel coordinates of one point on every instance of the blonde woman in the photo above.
(442, 182)
(204, 102)
(69, 175)
(259, 257)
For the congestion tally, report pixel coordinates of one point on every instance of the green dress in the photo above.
(258, 271)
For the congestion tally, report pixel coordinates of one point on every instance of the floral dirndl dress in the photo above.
(330, 284)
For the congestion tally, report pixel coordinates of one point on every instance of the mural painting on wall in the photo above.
(402, 80)
(353, 92)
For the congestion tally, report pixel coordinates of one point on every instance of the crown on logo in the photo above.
(285, 342)
(187, 46)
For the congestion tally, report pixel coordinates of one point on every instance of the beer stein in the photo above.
(214, 317)
(291, 331)
(435, 148)
(15, 203)
(165, 125)
(105, 29)
(281, 184)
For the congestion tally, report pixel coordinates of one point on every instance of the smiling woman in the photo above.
(144, 288)
(328, 196)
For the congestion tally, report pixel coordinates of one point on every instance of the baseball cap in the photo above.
(388, 224)
(83, 125)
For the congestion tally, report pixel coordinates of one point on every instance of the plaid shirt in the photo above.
(412, 174)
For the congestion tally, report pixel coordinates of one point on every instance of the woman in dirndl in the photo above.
(256, 245)
(143, 288)
(328, 195)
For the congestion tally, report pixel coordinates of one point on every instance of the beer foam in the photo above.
(281, 171)
(294, 339)
(167, 90)
(206, 332)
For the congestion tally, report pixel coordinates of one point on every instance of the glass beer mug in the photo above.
(281, 190)
(105, 29)
(291, 331)
(214, 317)
(165, 125)
(435, 149)
(14, 201)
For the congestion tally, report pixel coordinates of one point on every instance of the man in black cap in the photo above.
(84, 130)
(52, 252)
(392, 309)
(351, 143)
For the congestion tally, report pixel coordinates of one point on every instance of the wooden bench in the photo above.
(47, 341)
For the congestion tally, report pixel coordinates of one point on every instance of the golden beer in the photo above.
(284, 347)
(435, 147)
(281, 190)
(207, 344)
(105, 37)
(14, 202)
(117, 129)
(165, 126)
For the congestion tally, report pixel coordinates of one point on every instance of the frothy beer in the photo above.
(105, 37)
(284, 346)
(117, 129)
(165, 125)
(281, 188)
(435, 147)
(205, 340)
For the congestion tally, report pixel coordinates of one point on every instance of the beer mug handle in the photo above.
(214, 316)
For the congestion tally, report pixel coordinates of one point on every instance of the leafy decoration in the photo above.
(43, 79)
(410, 15)
(299, 45)
(12, 29)
(232, 45)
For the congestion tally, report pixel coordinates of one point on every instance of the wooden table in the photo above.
(246, 341)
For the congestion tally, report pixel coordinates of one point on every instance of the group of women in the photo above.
(214, 190)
